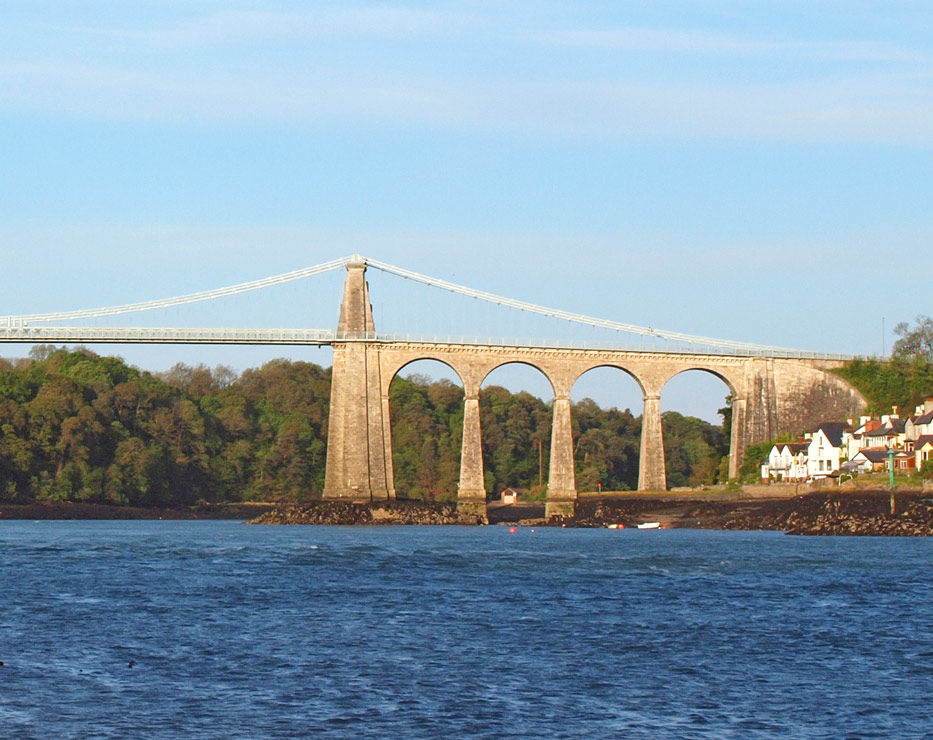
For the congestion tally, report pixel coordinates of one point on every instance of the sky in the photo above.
(755, 171)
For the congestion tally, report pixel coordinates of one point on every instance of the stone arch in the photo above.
(733, 382)
(499, 364)
(677, 464)
(396, 365)
(614, 448)
(582, 370)
(432, 470)
(517, 443)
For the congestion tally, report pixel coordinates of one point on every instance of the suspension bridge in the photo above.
(774, 389)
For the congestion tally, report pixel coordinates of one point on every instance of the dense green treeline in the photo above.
(901, 381)
(78, 427)
(427, 422)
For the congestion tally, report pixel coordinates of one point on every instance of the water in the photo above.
(445, 632)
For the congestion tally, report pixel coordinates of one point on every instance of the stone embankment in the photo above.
(863, 513)
(392, 512)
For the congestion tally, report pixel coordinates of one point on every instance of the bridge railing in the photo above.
(667, 348)
(168, 335)
(163, 335)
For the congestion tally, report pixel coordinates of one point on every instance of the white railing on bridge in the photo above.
(319, 337)
(163, 335)
(601, 346)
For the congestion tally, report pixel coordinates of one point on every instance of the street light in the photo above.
(891, 476)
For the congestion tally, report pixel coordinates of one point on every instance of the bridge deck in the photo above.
(324, 337)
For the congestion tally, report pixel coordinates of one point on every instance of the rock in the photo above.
(864, 513)
(345, 513)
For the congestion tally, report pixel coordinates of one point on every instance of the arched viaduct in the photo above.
(770, 396)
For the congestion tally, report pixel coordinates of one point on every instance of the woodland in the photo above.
(76, 426)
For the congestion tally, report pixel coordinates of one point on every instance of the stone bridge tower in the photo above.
(359, 461)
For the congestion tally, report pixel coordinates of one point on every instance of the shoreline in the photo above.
(64, 510)
(827, 512)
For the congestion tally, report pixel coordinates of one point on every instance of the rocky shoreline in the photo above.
(835, 512)
(865, 513)
(862, 514)
(390, 512)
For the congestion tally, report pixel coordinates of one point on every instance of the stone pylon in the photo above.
(561, 484)
(471, 491)
(652, 472)
(359, 455)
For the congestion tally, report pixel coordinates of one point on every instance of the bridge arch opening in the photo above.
(607, 415)
(695, 418)
(426, 427)
(516, 410)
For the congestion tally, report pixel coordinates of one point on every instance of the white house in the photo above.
(866, 461)
(853, 439)
(787, 462)
(891, 434)
(923, 449)
(921, 423)
(824, 451)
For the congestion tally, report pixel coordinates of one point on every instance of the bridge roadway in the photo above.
(26, 334)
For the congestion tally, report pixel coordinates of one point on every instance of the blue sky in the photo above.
(755, 171)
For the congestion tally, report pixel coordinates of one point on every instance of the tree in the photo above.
(902, 382)
(916, 342)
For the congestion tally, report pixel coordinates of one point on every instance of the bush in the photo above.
(926, 470)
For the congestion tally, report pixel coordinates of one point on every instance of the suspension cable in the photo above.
(185, 299)
(407, 274)
(568, 316)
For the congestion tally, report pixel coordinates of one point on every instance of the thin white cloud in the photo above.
(245, 27)
(236, 66)
(703, 42)
(881, 108)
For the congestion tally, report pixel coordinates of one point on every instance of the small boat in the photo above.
(650, 525)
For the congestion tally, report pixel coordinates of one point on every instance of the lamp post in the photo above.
(891, 476)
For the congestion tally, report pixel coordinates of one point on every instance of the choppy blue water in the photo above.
(447, 632)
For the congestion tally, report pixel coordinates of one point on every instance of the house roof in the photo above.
(926, 418)
(873, 455)
(893, 427)
(923, 439)
(798, 447)
(833, 431)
